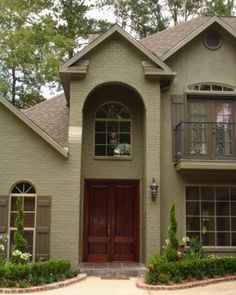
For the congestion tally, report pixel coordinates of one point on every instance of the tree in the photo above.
(220, 7)
(36, 36)
(145, 17)
(19, 48)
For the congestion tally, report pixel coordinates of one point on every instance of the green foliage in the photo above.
(35, 38)
(146, 17)
(185, 270)
(220, 7)
(33, 274)
(195, 250)
(171, 246)
(19, 241)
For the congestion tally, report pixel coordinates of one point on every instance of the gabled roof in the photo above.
(69, 68)
(21, 116)
(164, 44)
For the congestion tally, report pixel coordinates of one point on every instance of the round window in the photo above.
(213, 40)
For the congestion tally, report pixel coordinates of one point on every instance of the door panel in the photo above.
(111, 215)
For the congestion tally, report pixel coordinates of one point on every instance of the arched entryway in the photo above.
(112, 164)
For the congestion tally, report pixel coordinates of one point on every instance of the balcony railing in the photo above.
(205, 140)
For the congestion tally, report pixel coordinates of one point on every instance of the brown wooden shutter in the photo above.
(43, 219)
(177, 115)
(177, 109)
(4, 203)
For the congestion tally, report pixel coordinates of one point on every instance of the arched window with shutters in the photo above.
(27, 192)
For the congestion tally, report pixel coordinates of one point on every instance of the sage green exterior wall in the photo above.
(113, 62)
(25, 156)
(193, 64)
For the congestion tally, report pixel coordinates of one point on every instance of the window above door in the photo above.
(112, 131)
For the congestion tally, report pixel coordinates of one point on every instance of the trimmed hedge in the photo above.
(162, 272)
(34, 274)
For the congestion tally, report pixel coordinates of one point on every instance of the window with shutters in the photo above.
(27, 192)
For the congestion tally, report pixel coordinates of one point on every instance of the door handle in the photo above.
(108, 230)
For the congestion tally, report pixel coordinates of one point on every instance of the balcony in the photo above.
(205, 145)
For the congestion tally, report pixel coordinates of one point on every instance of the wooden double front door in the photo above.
(111, 221)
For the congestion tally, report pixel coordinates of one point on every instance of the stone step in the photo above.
(113, 269)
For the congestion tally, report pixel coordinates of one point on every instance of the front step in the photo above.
(112, 269)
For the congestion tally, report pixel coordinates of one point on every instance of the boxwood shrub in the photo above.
(36, 273)
(161, 272)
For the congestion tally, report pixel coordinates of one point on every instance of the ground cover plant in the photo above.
(179, 263)
(19, 271)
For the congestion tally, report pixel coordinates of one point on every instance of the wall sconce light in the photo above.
(154, 189)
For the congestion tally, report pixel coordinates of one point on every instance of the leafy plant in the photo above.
(195, 250)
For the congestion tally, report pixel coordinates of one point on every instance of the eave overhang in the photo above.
(21, 116)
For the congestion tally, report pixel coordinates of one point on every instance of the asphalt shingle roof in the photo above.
(162, 42)
(52, 116)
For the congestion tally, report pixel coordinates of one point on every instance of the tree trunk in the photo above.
(13, 85)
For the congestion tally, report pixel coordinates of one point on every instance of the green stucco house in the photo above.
(134, 114)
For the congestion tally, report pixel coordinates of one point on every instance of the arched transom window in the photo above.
(112, 131)
(27, 192)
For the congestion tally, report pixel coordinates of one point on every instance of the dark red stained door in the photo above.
(111, 213)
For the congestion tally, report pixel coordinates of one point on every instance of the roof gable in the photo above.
(115, 30)
(20, 115)
(78, 64)
(164, 44)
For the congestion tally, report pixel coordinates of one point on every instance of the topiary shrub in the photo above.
(172, 243)
(19, 241)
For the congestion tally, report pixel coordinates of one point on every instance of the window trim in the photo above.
(226, 249)
(33, 229)
(116, 157)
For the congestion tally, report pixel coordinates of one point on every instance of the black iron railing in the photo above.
(205, 140)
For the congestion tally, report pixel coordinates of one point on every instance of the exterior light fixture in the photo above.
(154, 189)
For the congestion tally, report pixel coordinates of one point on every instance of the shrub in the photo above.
(33, 274)
(19, 241)
(171, 246)
(162, 272)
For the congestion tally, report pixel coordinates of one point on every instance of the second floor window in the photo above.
(211, 126)
(112, 131)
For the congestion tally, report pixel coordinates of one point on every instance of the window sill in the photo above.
(219, 249)
(113, 158)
